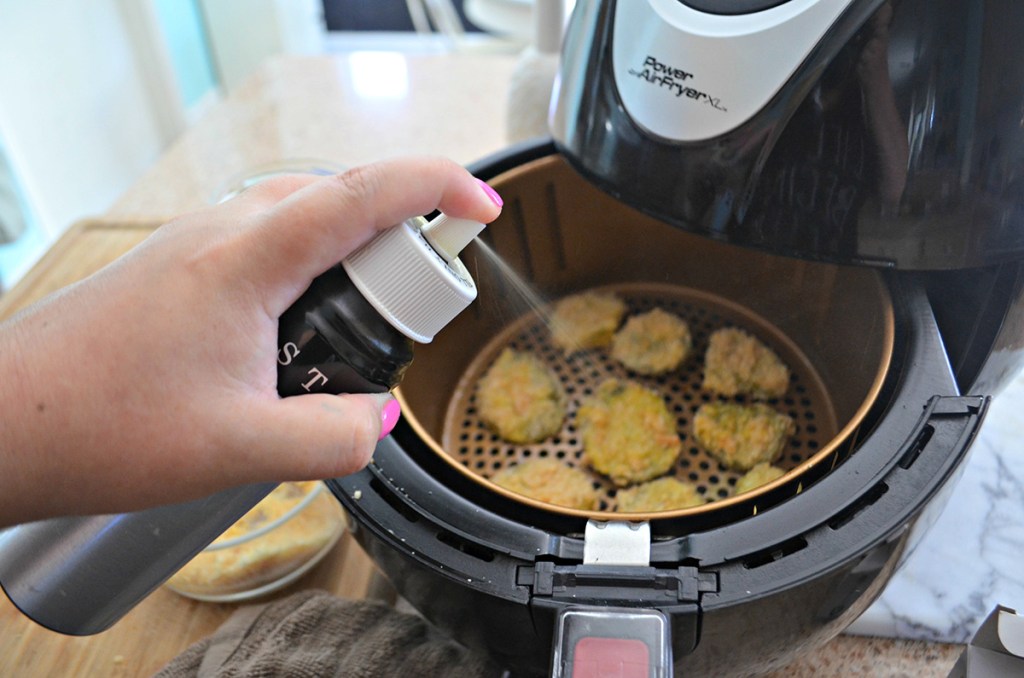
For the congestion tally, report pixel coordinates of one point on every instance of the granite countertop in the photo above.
(349, 109)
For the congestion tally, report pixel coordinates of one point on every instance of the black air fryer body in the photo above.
(895, 142)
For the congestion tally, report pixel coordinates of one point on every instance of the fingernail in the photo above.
(389, 415)
(491, 193)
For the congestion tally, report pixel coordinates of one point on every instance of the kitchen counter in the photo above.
(344, 111)
(350, 109)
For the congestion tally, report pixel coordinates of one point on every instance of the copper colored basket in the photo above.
(832, 326)
(466, 438)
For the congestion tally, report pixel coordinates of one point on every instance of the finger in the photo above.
(314, 436)
(315, 227)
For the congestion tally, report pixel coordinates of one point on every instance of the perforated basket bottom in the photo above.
(466, 438)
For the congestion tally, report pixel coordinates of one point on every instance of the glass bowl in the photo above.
(255, 175)
(271, 546)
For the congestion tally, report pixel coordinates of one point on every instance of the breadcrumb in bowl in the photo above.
(272, 545)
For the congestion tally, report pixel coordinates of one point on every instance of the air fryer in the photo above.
(836, 178)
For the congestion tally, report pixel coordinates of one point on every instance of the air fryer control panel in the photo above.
(687, 75)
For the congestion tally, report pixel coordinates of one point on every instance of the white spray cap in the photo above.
(450, 235)
(412, 275)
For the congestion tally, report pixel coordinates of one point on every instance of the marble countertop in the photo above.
(348, 109)
(972, 558)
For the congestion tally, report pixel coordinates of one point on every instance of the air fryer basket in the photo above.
(833, 326)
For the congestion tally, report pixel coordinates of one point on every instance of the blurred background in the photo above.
(92, 91)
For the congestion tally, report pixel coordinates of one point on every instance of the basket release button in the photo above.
(609, 642)
(610, 658)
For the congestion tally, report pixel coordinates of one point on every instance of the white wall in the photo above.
(75, 110)
(245, 32)
(89, 95)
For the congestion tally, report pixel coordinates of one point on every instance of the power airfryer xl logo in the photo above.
(674, 80)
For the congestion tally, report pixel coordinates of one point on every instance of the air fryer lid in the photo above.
(832, 326)
(893, 140)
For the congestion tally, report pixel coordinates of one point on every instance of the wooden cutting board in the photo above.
(165, 623)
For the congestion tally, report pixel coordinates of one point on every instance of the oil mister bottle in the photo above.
(352, 331)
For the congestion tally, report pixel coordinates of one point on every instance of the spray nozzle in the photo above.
(450, 235)
(412, 275)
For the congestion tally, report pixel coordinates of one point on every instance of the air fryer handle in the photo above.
(611, 641)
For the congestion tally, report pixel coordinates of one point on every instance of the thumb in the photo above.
(319, 436)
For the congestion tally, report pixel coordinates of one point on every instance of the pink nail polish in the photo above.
(389, 417)
(491, 193)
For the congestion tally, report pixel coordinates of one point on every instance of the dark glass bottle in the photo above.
(332, 340)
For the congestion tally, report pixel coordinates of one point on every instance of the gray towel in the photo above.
(315, 634)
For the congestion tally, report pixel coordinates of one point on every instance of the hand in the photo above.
(154, 380)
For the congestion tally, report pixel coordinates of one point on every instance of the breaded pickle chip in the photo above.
(520, 399)
(586, 320)
(663, 494)
(628, 432)
(742, 436)
(652, 343)
(761, 474)
(551, 481)
(259, 557)
(737, 362)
